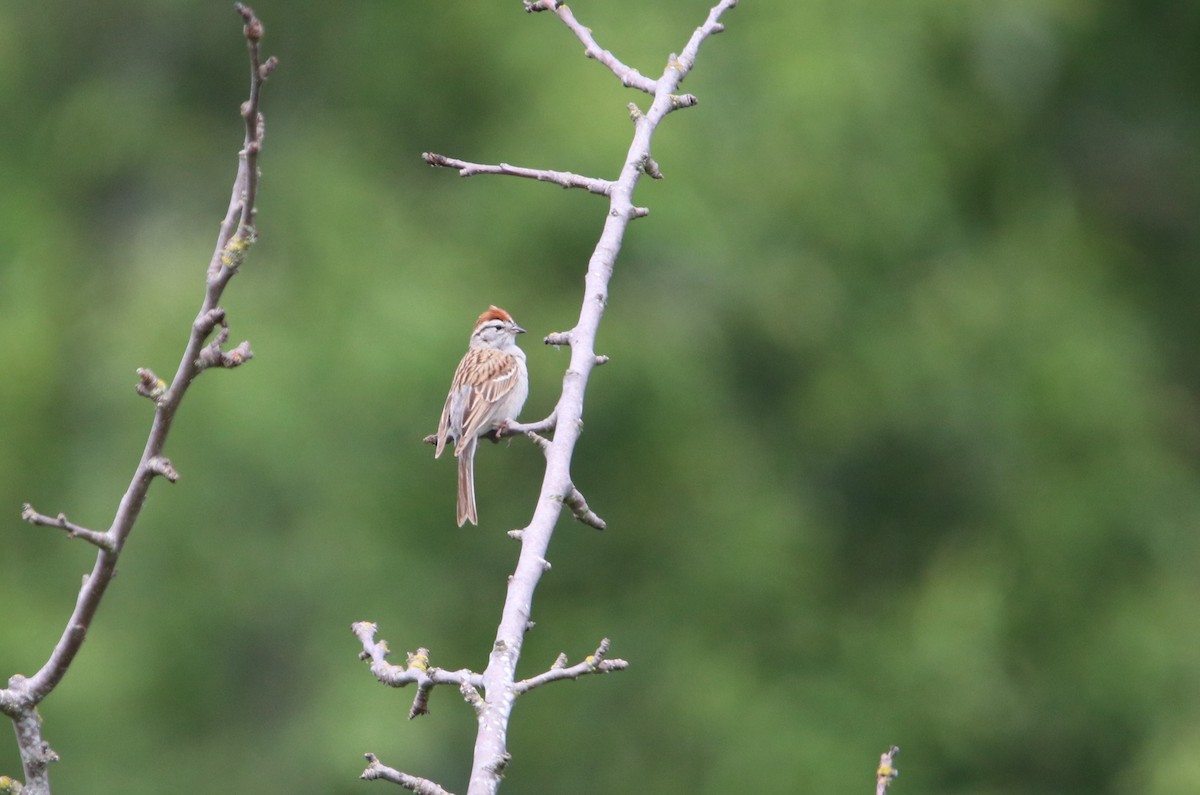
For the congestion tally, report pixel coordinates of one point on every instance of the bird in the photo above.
(489, 390)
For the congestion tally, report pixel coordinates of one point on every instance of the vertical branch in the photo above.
(491, 753)
(494, 708)
(20, 699)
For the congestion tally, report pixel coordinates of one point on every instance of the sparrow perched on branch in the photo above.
(488, 391)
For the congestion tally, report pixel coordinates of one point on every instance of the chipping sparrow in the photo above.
(488, 391)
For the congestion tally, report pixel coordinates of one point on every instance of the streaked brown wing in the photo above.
(490, 375)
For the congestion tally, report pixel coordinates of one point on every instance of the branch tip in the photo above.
(579, 507)
(471, 695)
(887, 770)
(435, 160)
(209, 320)
(159, 465)
(150, 385)
(419, 660)
(684, 101)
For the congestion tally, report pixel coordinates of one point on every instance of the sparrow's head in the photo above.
(495, 329)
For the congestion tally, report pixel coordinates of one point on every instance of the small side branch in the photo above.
(421, 786)
(150, 386)
(565, 179)
(102, 540)
(530, 429)
(212, 355)
(887, 770)
(573, 498)
(579, 507)
(541, 426)
(595, 663)
(418, 671)
(629, 77)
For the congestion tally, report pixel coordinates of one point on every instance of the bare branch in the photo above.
(159, 465)
(493, 693)
(580, 509)
(541, 426)
(510, 429)
(418, 671)
(629, 77)
(20, 699)
(887, 770)
(498, 677)
(573, 499)
(471, 695)
(421, 786)
(593, 664)
(150, 385)
(102, 540)
(566, 179)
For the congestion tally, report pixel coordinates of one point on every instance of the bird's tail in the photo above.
(466, 484)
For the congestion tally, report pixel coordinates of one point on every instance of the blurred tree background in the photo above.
(900, 441)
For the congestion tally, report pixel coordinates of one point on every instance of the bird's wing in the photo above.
(483, 378)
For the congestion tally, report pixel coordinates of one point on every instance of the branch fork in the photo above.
(426, 677)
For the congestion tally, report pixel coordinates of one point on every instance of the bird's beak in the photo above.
(517, 329)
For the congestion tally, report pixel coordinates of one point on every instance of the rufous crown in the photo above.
(493, 313)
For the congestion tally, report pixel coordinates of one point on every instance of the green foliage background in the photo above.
(900, 441)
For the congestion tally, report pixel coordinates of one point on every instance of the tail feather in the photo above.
(466, 485)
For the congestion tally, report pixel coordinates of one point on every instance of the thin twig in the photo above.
(102, 540)
(565, 179)
(421, 786)
(595, 663)
(886, 771)
(510, 429)
(418, 671)
(628, 76)
(20, 699)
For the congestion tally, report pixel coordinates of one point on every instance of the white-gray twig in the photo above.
(563, 178)
(628, 76)
(418, 671)
(595, 663)
(421, 786)
(886, 770)
(102, 540)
